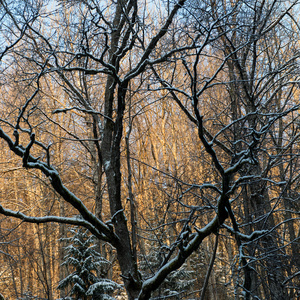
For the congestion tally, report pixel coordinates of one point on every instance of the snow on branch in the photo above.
(31, 162)
(48, 219)
(89, 111)
(245, 237)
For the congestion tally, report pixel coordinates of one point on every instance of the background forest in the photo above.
(149, 149)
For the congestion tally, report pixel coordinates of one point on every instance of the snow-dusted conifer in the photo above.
(84, 261)
(102, 289)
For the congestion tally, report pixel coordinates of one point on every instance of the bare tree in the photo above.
(113, 60)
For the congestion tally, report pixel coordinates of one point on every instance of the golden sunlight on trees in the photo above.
(171, 128)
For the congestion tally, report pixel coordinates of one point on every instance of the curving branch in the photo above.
(32, 162)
